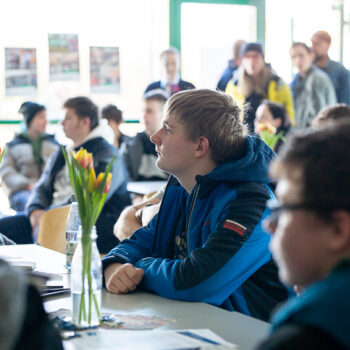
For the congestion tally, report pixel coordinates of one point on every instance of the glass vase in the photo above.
(86, 280)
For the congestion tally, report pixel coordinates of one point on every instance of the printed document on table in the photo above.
(189, 339)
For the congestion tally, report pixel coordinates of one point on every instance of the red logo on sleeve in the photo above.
(234, 226)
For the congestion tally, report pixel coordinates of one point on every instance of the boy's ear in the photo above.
(203, 147)
(86, 121)
(340, 240)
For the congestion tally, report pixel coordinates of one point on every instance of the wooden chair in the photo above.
(52, 229)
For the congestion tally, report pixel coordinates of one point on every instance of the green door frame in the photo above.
(175, 17)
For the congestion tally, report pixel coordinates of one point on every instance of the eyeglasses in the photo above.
(274, 206)
(276, 209)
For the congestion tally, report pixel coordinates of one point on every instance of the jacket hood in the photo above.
(101, 130)
(253, 167)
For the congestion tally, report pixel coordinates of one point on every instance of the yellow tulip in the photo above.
(92, 180)
(261, 126)
(90, 160)
(108, 181)
(82, 158)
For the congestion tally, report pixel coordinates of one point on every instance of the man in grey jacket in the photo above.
(26, 155)
(311, 88)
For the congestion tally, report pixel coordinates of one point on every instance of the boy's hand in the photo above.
(35, 216)
(122, 278)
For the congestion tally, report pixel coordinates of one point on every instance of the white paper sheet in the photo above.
(203, 339)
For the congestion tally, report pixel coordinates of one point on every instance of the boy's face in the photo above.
(171, 66)
(39, 122)
(301, 58)
(152, 116)
(253, 63)
(320, 47)
(300, 239)
(175, 151)
(73, 126)
(263, 115)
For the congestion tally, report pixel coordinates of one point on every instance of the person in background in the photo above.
(311, 88)
(329, 114)
(339, 75)
(26, 155)
(139, 152)
(171, 82)
(255, 81)
(233, 64)
(114, 117)
(81, 124)
(274, 115)
(310, 230)
(206, 244)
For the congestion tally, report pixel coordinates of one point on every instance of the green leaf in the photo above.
(2, 154)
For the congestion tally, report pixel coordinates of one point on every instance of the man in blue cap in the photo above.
(26, 155)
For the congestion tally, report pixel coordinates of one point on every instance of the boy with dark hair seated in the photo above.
(311, 240)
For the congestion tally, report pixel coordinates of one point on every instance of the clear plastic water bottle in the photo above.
(72, 229)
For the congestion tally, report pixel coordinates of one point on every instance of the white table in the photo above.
(145, 187)
(46, 260)
(232, 326)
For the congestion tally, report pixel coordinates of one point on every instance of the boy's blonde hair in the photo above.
(214, 115)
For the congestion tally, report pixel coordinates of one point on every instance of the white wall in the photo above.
(138, 27)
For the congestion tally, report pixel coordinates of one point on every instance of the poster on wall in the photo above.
(64, 57)
(20, 72)
(104, 70)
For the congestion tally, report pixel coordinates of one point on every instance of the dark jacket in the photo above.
(183, 85)
(318, 318)
(137, 150)
(227, 261)
(340, 77)
(116, 200)
(226, 76)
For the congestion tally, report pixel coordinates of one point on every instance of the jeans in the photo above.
(19, 199)
(17, 228)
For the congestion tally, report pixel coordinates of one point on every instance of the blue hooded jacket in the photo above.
(228, 262)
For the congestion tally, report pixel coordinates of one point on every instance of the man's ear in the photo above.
(86, 122)
(340, 240)
(203, 147)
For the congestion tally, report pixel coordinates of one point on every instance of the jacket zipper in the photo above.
(189, 218)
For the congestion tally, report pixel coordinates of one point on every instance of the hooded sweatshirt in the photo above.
(209, 246)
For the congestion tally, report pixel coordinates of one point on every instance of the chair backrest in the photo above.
(52, 229)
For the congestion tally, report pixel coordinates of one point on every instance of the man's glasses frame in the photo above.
(276, 209)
